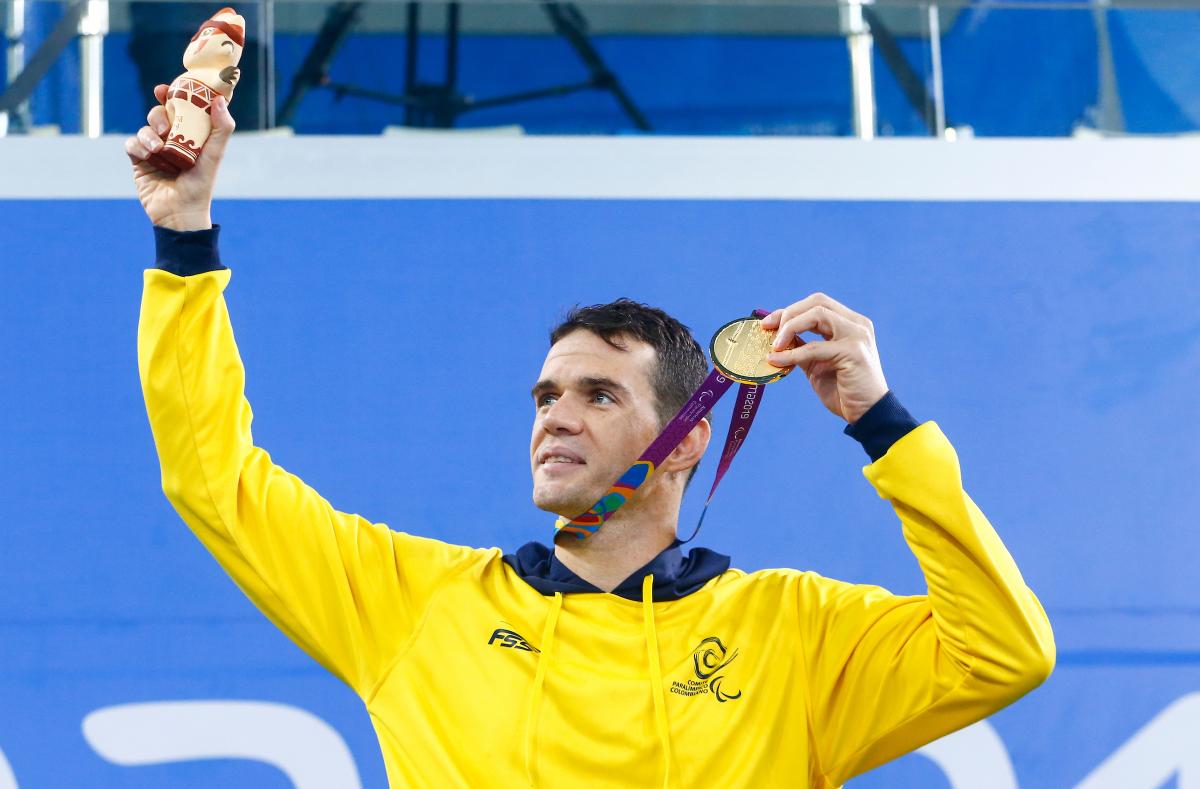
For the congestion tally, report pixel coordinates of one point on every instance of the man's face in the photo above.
(595, 416)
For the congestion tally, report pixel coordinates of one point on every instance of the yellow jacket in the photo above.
(472, 678)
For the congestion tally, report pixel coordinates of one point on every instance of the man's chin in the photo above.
(567, 506)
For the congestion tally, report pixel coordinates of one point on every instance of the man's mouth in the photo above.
(558, 456)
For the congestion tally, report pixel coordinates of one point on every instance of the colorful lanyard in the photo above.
(700, 403)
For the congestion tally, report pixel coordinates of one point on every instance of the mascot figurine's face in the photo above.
(218, 43)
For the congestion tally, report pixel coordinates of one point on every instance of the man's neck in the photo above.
(629, 540)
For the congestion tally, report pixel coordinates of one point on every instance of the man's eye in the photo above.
(603, 397)
(546, 400)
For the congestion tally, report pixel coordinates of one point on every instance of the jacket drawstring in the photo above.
(539, 681)
(656, 690)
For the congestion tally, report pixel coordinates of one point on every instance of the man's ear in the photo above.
(690, 449)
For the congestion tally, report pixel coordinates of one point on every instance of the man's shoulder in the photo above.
(735, 580)
(767, 575)
(438, 551)
(788, 579)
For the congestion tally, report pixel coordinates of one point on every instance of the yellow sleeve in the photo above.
(887, 673)
(346, 590)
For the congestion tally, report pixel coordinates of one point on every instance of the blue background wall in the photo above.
(390, 346)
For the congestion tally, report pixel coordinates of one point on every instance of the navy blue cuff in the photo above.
(187, 252)
(884, 424)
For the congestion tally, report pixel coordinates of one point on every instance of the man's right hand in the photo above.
(183, 201)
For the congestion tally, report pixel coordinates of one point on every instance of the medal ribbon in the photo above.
(749, 398)
(700, 403)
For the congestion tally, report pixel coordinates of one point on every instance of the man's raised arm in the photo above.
(887, 674)
(346, 590)
(891, 673)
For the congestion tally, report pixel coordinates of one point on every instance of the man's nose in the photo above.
(562, 417)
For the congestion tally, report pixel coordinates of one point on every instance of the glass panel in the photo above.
(1153, 83)
(1027, 72)
(907, 96)
(553, 69)
(603, 67)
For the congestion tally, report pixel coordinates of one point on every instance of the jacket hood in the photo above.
(675, 575)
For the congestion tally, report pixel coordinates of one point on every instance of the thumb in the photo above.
(808, 353)
(222, 127)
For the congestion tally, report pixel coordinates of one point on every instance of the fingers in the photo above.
(779, 316)
(144, 150)
(143, 145)
(157, 122)
(157, 119)
(807, 354)
(135, 150)
(829, 324)
(150, 138)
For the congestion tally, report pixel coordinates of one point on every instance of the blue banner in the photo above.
(1056, 344)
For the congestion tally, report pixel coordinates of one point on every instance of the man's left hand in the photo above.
(844, 370)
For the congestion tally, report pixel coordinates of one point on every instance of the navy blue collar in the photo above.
(675, 575)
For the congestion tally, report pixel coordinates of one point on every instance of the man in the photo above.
(616, 660)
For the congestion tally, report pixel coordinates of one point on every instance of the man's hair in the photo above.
(680, 366)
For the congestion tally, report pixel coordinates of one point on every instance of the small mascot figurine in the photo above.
(211, 61)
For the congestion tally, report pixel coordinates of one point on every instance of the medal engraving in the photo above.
(739, 350)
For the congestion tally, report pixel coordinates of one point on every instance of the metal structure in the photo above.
(14, 43)
(860, 44)
(439, 104)
(85, 19)
(93, 26)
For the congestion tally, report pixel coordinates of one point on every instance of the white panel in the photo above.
(1166, 747)
(973, 758)
(457, 164)
(305, 748)
(7, 779)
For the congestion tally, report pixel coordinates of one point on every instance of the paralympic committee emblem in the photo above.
(709, 661)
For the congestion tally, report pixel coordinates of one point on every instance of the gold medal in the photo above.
(739, 351)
